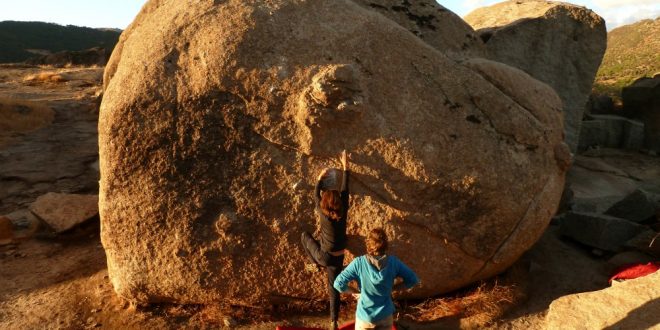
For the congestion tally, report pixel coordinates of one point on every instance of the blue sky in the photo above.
(91, 13)
(119, 13)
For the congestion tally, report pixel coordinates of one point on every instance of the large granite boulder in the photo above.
(642, 100)
(557, 43)
(218, 116)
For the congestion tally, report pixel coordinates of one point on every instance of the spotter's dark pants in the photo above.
(333, 265)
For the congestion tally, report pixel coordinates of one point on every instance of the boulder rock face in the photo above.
(218, 116)
(632, 304)
(557, 43)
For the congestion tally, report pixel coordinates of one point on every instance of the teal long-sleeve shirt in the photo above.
(375, 301)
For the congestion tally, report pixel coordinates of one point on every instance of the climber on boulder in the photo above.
(329, 251)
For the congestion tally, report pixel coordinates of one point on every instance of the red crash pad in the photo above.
(634, 271)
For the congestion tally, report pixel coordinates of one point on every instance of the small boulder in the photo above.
(632, 304)
(599, 231)
(64, 211)
(6, 231)
(636, 207)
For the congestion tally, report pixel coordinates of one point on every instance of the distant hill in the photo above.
(633, 51)
(20, 41)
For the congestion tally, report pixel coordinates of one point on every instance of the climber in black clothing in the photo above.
(329, 253)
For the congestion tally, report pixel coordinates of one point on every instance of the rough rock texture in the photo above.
(600, 231)
(631, 304)
(557, 43)
(642, 100)
(597, 184)
(63, 211)
(433, 23)
(218, 116)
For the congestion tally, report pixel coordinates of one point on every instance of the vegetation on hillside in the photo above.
(18, 38)
(633, 51)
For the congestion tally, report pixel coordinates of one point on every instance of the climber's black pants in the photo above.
(333, 266)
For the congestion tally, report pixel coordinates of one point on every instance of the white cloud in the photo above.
(621, 12)
(615, 12)
(629, 14)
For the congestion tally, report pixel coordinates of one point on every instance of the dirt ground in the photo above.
(60, 281)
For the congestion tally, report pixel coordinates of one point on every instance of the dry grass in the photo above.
(18, 116)
(44, 78)
(476, 307)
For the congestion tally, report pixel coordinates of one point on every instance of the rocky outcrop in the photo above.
(557, 43)
(632, 304)
(599, 231)
(612, 201)
(218, 116)
(64, 211)
(642, 100)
